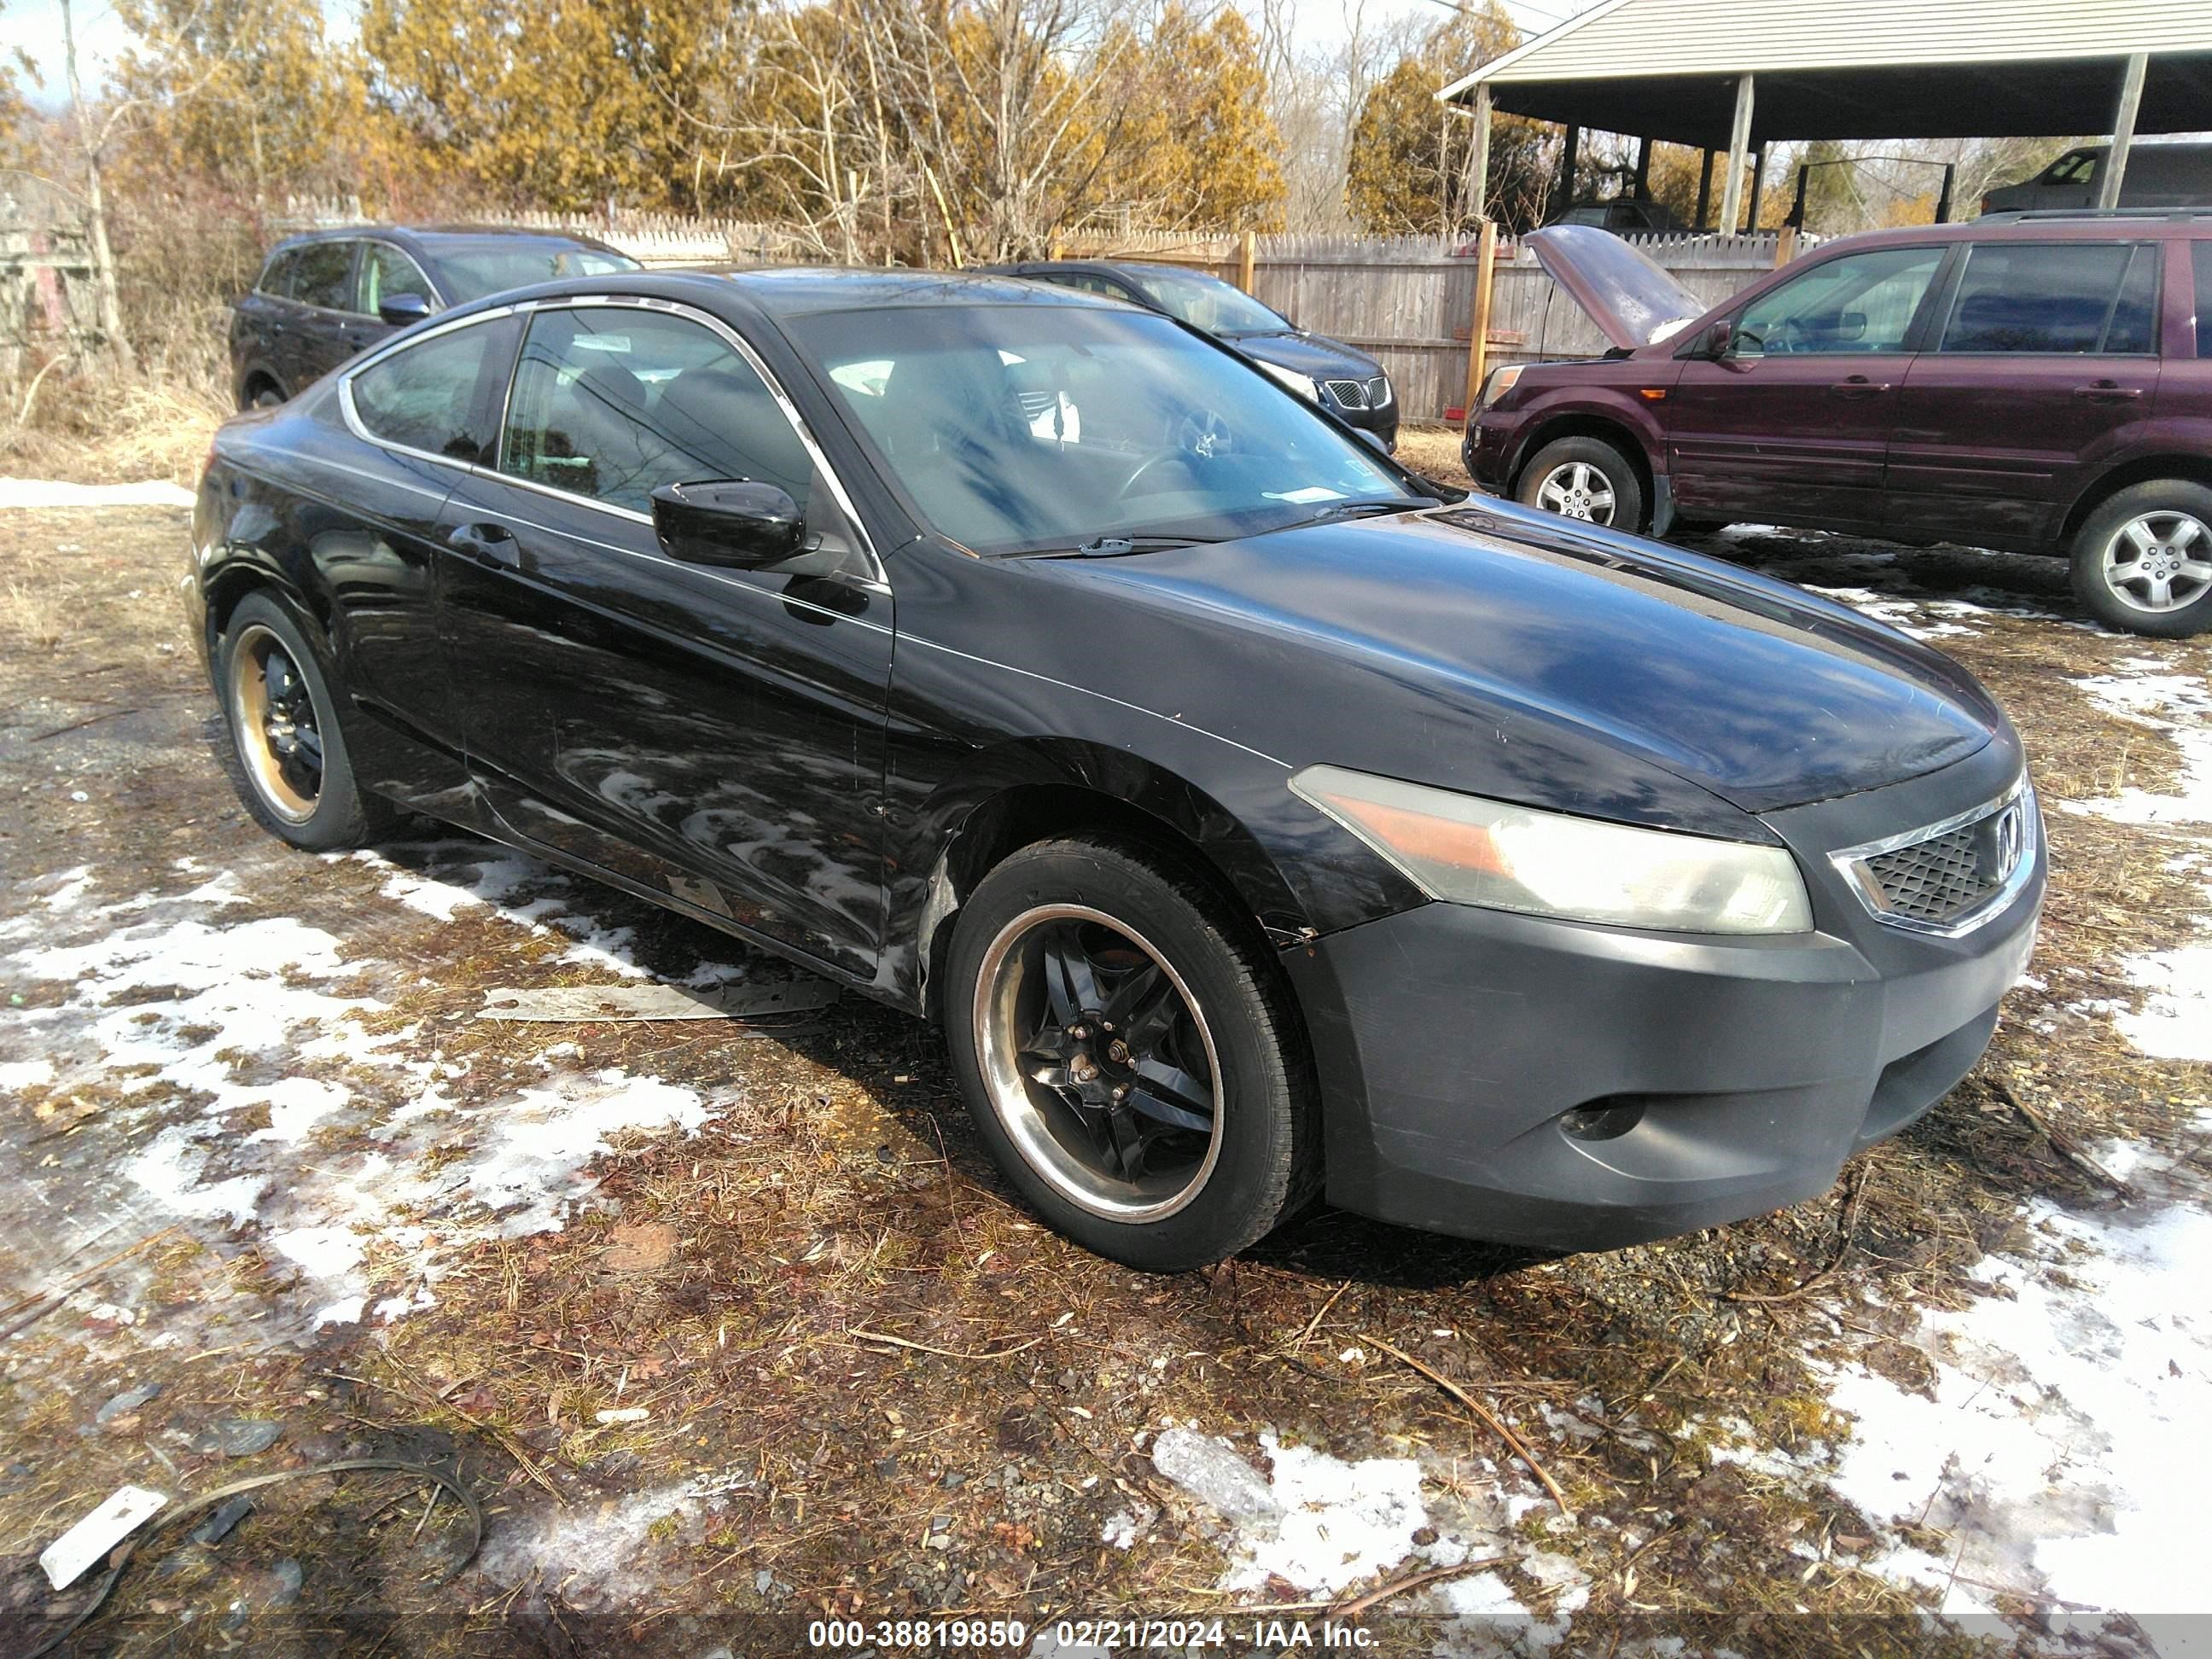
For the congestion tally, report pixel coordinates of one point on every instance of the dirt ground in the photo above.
(727, 1328)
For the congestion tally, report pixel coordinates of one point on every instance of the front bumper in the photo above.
(1452, 1042)
(1486, 452)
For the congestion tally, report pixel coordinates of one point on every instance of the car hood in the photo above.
(1633, 302)
(1493, 648)
(1316, 355)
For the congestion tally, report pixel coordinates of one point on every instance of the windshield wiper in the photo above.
(1359, 509)
(1116, 546)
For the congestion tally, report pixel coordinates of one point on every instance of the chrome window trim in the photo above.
(1851, 864)
(368, 242)
(877, 579)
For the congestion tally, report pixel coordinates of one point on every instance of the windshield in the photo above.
(476, 272)
(1033, 428)
(1207, 302)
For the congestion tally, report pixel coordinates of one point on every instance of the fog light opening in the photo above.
(1607, 1119)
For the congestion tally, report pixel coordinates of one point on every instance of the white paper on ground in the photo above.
(126, 1510)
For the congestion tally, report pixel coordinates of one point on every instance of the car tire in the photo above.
(295, 773)
(262, 394)
(1052, 945)
(1585, 478)
(2142, 562)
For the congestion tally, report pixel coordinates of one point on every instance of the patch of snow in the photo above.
(49, 492)
(323, 1252)
(347, 1312)
(2175, 1022)
(169, 1170)
(17, 1074)
(2178, 705)
(531, 1168)
(604, 1557)
(1316, 1520)
(2062, 1449)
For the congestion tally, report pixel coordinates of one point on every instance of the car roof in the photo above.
(432, 239)
(2075, 225)
(782, 292)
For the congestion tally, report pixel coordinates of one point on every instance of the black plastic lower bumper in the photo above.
(1711, 1079)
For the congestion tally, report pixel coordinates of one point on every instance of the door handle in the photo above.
(492, 543)
(2107, 392)
(1857, 386)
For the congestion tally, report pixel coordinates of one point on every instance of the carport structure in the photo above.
(1732, 76)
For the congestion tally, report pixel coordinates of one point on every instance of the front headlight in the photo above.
(1468, 850)
(1501, 381)
(1302, 384)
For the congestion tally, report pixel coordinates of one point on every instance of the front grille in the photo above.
(1360, 394)
(1939, 879)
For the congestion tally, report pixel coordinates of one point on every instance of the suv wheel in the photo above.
(2142, 563)
(1134, 1068)
(1585, 478)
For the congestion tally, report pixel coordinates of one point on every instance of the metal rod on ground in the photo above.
(1739, 152)
(2124, 130)
(1478, 340)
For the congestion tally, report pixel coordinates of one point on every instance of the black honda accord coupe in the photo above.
(1256, 818)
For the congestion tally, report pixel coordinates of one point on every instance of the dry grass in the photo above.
(741, 1285)
(92, 426)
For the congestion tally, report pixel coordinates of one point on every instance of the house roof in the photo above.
(1857, 69)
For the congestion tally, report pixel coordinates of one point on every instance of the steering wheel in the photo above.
(1792, 336)
(1200, 435)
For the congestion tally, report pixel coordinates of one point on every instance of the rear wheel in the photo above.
(262, 394)
(2142, 562)
(1585, 478)
(277, 703)
(1133, 1067)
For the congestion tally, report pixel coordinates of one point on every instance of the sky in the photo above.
(36, 27)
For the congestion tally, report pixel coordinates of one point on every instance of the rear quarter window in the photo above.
(432, 396)
(2054, 298)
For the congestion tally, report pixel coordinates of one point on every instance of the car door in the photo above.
(1792, 421)
(2047, 353)
(322, 333)
(714, 733)
(412, 421)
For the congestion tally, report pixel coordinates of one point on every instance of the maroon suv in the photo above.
(2041, 383)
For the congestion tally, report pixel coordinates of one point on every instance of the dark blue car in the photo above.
(330, 295)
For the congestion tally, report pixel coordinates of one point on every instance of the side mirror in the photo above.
(1719, 341)
(739, 525)
(401, 310)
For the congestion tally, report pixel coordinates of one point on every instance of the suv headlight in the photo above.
(1303, 384)
(1467, 850)
(1501, 381)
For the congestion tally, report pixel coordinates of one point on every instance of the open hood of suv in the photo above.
(1633, 302)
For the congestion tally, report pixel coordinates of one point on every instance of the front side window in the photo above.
(1862, 302)
(386, 273)
(326, 276)
(429, 396)
(1023, 428)
(612, 401)
(2054, 297)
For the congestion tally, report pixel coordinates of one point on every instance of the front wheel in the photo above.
(2142, 562)
(1585, 478)
(1134, 1067)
